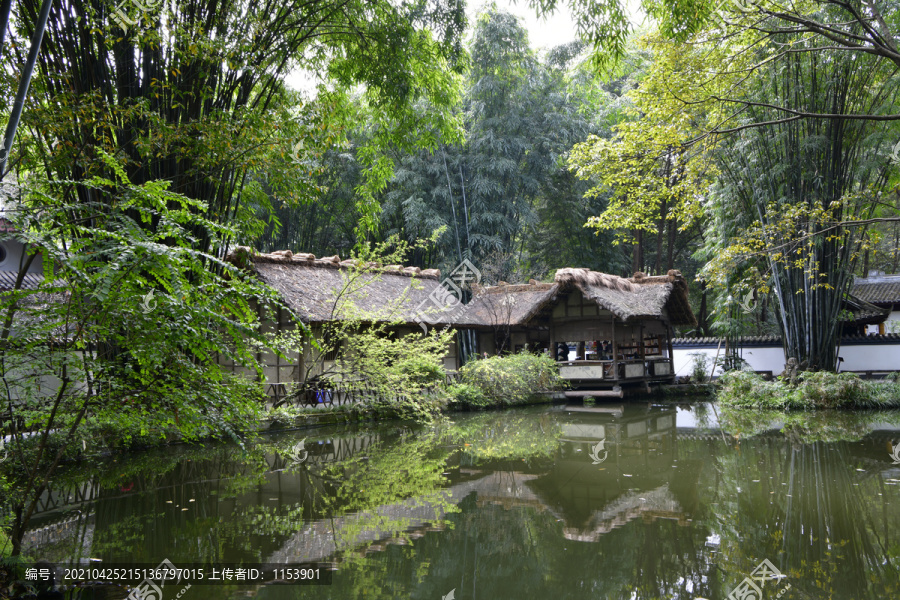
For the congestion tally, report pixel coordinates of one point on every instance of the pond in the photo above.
(617, 501)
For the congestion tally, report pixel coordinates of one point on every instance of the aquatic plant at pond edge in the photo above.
(814, 390)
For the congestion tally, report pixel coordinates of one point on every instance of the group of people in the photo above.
(604, 351)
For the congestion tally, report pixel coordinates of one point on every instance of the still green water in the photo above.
(613, 501)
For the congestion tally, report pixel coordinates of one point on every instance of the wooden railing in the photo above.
(325, 392)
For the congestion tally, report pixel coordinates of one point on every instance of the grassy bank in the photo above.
(814, 390)
(495, 382)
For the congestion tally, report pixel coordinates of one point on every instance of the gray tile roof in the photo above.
(31, 281)
(882, 291)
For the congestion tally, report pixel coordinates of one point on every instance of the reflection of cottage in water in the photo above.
(615, 464)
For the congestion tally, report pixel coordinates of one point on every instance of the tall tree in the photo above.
(193, 93)
(505, 188)
(802, 181)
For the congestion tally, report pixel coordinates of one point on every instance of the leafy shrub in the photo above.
(512, 379)
(747, 389)
(467, 395)
(829, 390)
(422, 370)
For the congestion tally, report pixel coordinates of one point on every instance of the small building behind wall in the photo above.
(884, 292)
(621, 328)
(323, 290)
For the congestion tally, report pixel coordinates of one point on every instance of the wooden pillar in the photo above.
(669, 344)
(552, 339)
(615, 349)
(278, 358)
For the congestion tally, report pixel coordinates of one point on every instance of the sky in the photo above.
(547, 33)
(542, 33)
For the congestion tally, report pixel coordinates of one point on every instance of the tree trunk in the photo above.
(637, 263)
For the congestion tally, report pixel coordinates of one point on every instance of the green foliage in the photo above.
(376, 356)
(508, 380)
(815, 390)
(468, 395)
(119, 343)
(805, 426)
(195, 94)
(506, 436)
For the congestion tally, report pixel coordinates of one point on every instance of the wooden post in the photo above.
(671, 350)
(615, 349)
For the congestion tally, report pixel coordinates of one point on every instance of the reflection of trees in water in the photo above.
(228, 503)
(807, 509)
(826, 528)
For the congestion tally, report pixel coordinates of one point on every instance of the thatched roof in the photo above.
(638, 297)
(507, 304)
(325, 289)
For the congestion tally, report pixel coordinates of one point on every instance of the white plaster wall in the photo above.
(870, 357)
(760, 359)
(11, 262)
(867, 357)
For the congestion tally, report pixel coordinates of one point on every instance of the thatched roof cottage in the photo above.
(323, 290)
(621, 328)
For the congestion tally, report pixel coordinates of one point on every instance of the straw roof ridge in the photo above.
(628, 298)
(241, 254)
(585, 278)
(505, 288)
(640, 296)
(624, 298)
